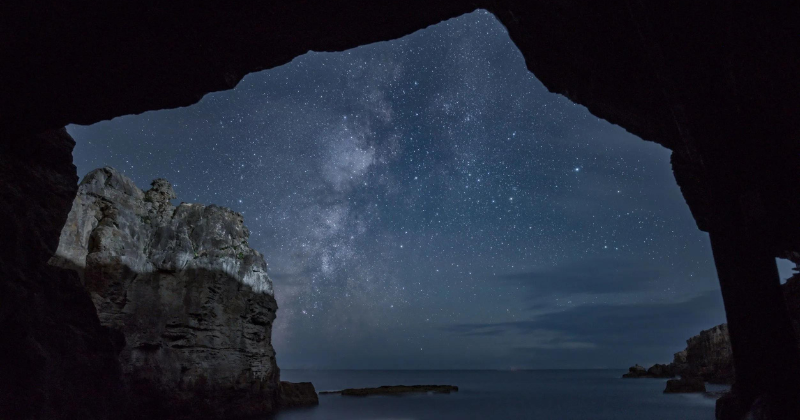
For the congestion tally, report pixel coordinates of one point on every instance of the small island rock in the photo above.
(297, 394)
(655, 371)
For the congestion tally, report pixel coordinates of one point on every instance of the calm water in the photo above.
(546, 395)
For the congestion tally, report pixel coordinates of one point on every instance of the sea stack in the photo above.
(191, 300)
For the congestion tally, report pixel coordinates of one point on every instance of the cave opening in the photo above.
(429, 192)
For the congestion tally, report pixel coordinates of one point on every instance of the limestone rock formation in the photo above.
(709, 356)
(192, 299)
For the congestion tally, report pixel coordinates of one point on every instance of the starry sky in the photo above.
(426, 203)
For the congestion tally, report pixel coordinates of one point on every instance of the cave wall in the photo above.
(714, 81)
(57, 360)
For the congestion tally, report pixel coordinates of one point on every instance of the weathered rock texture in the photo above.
(708, 356)
(191, 298)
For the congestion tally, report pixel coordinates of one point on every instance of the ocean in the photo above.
(525, 394)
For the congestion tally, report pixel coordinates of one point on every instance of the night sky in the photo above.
(427, 203)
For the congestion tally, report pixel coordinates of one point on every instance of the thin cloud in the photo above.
(612, 325)
(596, 276)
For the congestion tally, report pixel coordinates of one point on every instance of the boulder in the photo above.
(298, 394)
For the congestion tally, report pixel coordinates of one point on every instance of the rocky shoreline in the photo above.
(708, 357)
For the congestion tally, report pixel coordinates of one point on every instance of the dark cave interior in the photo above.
(715, 82)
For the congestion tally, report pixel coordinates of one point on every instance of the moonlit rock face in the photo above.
(192, 299)
(149, 234)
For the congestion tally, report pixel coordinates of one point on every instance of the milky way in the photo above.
(426, 203)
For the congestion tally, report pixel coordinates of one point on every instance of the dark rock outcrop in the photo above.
(655, 371)
(686, 384)
(395, 390)
(297, 394)
(709, 355)
(191, 298)
(635, 371)
(56, 360)
(661, 371)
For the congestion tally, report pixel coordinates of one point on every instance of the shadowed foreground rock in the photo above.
(56, 360)
(191, 298)
(395, 390)
(298, 394)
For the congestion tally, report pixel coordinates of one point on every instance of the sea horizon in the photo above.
(464, 370)
(491, 393)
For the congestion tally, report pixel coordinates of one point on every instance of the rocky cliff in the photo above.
(708, 355)
(192, 299)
